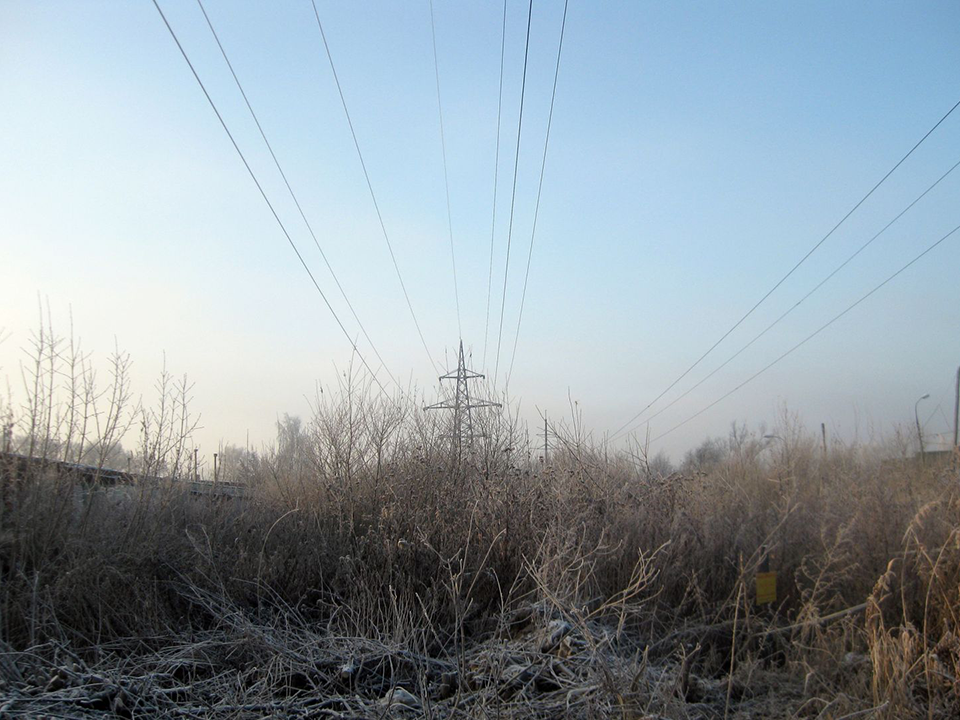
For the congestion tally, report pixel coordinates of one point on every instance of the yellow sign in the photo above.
(766, 588)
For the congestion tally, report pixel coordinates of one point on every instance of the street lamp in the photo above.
(916, 416)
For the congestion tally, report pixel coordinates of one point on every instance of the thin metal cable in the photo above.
(264, 196)
(792, 270)
(806, 339)
(513, 194)
(937, 409)
(496, 172)
(373, 195)
(536, 212)
(796, 304)
(446, 182)
(293, 195)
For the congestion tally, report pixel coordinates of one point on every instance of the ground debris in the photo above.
(553, 667)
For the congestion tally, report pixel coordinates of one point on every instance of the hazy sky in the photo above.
(698, 151)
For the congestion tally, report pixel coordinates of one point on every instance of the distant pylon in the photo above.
(462, 405)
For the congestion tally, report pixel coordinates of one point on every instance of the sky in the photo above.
(697, 152)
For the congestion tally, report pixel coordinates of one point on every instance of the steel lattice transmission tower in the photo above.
(462, 404)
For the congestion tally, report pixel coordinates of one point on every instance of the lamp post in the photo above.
(916, 416)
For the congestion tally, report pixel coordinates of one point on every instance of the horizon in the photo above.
(694, 158)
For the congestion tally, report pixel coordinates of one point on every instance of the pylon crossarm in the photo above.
(467, 375)
(447, 405)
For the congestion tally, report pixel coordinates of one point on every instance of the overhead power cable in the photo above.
(496, 172)
(266, 199)
(373, 195)
(791, 271)
(806, 339)
(446, 181)
(293, 195)
(513, 194)
(536, 211)
(938, 408)
(798, 302)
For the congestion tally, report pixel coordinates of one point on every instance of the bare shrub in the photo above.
(366, 557)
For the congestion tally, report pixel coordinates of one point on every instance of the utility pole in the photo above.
(956, 411)
(462, 405)
(546, 441)
(546, 438)
(823, 433)
(916, 416)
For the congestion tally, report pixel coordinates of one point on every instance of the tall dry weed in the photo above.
(362, 523)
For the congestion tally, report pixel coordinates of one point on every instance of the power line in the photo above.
(264, 195)
(513, 194)
(446, 181)
(536, 212)
(373, 195)
(797, 304)
(496, 172)
(293, 195)
(806, 339)
(939, 408)
(792, 270)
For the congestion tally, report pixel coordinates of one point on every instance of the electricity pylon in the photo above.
(462, 405)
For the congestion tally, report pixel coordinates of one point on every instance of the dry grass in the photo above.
(369, 574)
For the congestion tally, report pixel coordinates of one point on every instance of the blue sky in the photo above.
(697, 152)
